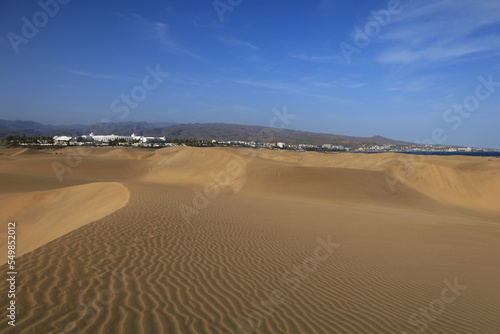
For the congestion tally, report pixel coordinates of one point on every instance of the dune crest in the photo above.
(197, 167)
(126, 153)
(470, 184)
(44, 216)
(388, 179)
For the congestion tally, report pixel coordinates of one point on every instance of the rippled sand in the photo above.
(212, 240)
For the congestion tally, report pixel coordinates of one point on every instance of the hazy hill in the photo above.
(219, 131)
(223, 131)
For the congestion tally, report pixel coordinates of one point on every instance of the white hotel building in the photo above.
(107, 138)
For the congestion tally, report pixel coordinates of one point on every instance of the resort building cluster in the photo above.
(158, 142)
(108, 138)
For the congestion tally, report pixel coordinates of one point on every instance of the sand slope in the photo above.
(45, 216)
(197, 167)
(29, 151)
(245, 259)
(388, 179)
(465, 183)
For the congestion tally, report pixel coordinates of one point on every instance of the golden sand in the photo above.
(213, 240)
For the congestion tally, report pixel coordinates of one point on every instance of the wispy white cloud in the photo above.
(242, 49)
(104, 76)
(212, 108)
(325, 5)
(326, 8)
(302, 56)
(355, 85)
(161, 32)
(319, 91)
(237, 42)
(317, 82)
(272, 85)
(429, 31)
(415, 85)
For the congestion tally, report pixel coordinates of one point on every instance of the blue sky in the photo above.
(408, 70)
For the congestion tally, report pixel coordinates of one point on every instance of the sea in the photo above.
(470, 154)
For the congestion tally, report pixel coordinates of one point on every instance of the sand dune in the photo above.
(45, 216)
(465, 182)
(320, 184)
(30, 151)
(173, 258)
(126, 153)
(376, 179)
(188, 166)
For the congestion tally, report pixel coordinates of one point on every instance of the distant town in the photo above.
(160, 142)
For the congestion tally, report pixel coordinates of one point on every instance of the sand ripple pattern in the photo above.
(143, 269)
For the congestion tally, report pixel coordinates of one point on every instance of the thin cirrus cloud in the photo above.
(320, 59)
(161, 33)
(325, 4)
(355, 85)
(306, 89)
(414, 85)
(272, 85)
(326, 8)
(237, 42)
(437, 53)
(430, 31)
(315, 82)
(104, 76)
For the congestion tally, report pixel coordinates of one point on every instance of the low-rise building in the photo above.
(61, 139)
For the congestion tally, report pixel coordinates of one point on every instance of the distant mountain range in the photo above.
(209, 131)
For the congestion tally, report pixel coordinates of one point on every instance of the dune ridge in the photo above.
(46, 215)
